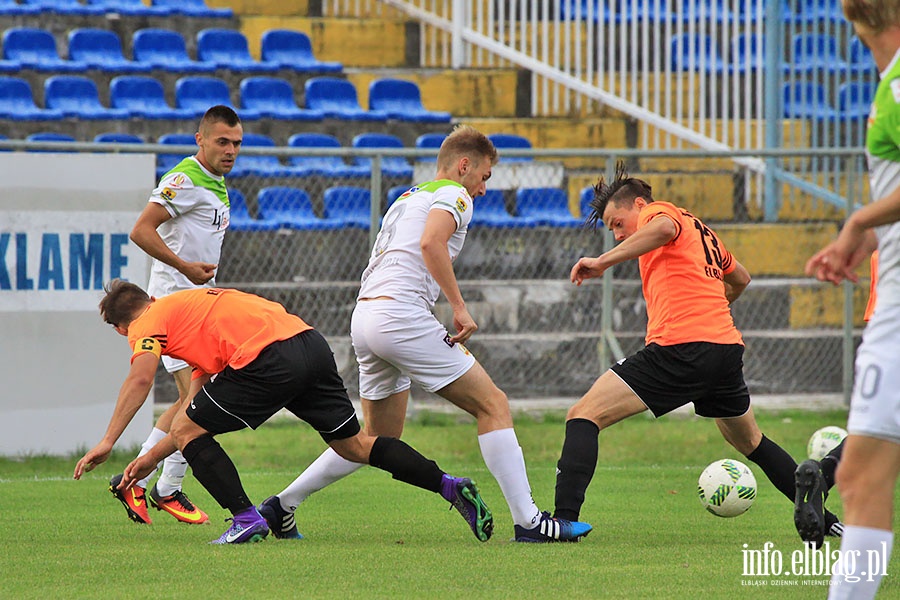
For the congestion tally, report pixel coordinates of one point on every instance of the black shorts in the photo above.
(668, 377)
(298, 374)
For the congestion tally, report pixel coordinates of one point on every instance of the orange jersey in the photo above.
(873, 281)
(683, 282)
(211, 328)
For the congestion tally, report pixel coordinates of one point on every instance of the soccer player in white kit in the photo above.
(182, 228)
(867, 474)
(397, 340)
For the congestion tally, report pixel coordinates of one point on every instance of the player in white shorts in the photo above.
(398, 340)
(182, 228)
(869, 467)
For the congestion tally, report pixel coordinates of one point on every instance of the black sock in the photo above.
(214, 470)
(778, 466)
(830, 462)
(405, 464)
(575, 467)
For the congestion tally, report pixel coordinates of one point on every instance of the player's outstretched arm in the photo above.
(131, 397)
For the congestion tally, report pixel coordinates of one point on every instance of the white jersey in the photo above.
(197, 200)
(396, 267)
(883, 153)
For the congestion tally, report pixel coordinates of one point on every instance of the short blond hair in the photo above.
(466, 141)
(875, 15)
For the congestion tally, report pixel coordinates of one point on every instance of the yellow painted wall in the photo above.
(776, 249)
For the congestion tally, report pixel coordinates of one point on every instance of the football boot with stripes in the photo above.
(280, 521)
(553, 529)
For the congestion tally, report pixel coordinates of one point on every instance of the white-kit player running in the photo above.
(398, 340)
(182, 228)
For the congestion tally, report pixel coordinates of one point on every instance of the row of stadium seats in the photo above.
(165, 49)
(304, 166)
(158, 8)
(808, 100)
(284, 207)
(260, 97)
(809, 53)
(721, 11)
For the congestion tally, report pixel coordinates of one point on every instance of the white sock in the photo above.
(868, 551)
(155, 436)
(174, 468)
(323, 471)
(503, 457)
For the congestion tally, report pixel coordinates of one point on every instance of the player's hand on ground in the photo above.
(465, 326)
(136, 470)
(199, 272)
(586, 268)
(98, 455)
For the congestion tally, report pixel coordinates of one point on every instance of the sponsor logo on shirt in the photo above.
(461, 204)
(168, 193)
(178, 180)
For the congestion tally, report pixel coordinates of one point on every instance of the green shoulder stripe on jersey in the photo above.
(433, 186)
(190, 168)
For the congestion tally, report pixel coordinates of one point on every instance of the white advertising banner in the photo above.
(64, 226)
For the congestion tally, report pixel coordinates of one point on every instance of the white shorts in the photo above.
(173, 364)
(396, 342)
(875, 406)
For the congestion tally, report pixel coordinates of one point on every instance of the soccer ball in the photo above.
(824, 441)
(727, 488)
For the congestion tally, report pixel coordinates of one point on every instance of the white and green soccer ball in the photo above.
(727, 488)
(824, 441)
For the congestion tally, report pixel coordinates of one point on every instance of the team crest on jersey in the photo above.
(409, 192)
(178, 180)
(168, 193)
(461, 204)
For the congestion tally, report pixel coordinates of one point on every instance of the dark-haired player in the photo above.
(181, 228)
(693, 352)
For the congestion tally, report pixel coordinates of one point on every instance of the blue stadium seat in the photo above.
(167, 50)
(64, 7)
(293, 50)
(240, 218)
(194, 8)
(545, 206)
(691, 52)
(17, 102)
(198, 93)
(11, 8)
(260, 165)
(228, 49)
(854, 100)
(114, 137)
(49, 136)
(402, 100)
(813, 11)
(36, 49)
(131, 8)
(747, 53)
(143, 97)
(395, 192)
(327, 166)
(806, 100)
(490, 211)
(348, 206)
(859, 57)
(812, 52)
(273, 97)
(77, 96)
(391, 166)
(509, 141)
(101, 49)
(291, 208)
(165, 162)
(337, 99)
(585, 199)
(429, 140)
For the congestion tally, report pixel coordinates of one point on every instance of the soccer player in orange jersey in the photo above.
(250, 359)
(693, 352)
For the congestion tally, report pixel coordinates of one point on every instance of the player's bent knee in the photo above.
(355, 449)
